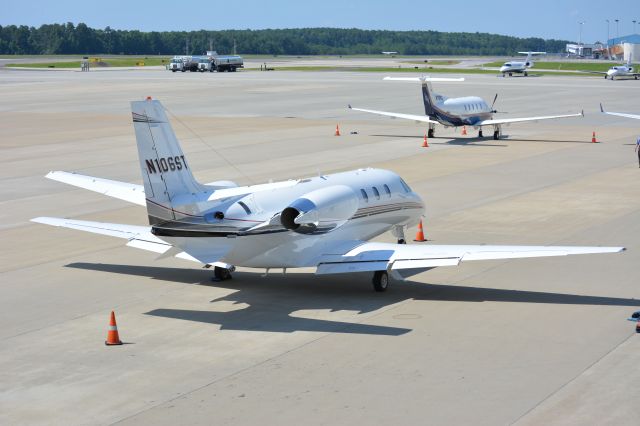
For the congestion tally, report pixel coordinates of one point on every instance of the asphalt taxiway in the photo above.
(498, 342)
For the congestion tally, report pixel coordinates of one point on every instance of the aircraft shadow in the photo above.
(273, 301)
(551, 141)
(451, 141)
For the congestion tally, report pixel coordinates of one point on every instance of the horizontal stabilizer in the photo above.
(122, 190)
(423, 79)
(139, 236)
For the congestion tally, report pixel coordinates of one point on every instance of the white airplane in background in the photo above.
(625, 70)
(620, 114)
(518, 67)
(320, 222)
(455, 112)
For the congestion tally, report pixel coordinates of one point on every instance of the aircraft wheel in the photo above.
(401, 241)
(605, 76)
(496, 135)
(480, 133)
(221, 274)
(431, 133)
(380, 281)
(510, 74)
(525, 74)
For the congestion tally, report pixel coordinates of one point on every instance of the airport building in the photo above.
(582, 50)
(618, 48)
(625, 47)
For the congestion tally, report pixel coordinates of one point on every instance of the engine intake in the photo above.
(321, 210)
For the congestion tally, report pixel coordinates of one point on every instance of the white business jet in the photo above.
(455, 112)
(519, 67)
(624, 70)
(322, 222)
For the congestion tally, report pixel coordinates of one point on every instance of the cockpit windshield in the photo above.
(405, 186)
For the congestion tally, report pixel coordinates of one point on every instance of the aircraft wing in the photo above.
(593, 72)
(137, 236)
(122, 190)
(421, 118)
(620, 114)
(410, 259)
(240, 191)
(521, 120)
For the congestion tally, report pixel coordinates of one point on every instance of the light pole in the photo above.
(608, 51)
(580, 38)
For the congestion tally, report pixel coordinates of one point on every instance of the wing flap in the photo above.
(398, 257)
(129, 192)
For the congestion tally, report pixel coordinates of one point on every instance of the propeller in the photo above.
(493, 103)
(493, 111)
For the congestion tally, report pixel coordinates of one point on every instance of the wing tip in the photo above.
(46, 220)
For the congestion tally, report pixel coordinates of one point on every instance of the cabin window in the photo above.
(387, 190)
(245, 207)
(375, 192)
(365, 197)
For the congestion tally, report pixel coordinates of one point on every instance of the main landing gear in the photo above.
(497, 132)
(432, 130)
(380, 281)
(480, 133)
(222, 274)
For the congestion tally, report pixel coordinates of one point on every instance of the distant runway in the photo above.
(538, 341)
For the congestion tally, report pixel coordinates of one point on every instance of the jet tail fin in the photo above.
(167, 177)
(427, 90)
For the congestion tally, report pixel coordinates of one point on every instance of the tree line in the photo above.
(81, 39)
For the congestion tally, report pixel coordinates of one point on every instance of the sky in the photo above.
(558, 19)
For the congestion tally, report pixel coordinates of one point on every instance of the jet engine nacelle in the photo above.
(321, 210)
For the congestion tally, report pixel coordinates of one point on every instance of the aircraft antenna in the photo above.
(218, 153)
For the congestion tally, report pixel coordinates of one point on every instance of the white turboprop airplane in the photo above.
(517, 67)
(320, 222)
(625, 70)
(620, 114)
(455, 112)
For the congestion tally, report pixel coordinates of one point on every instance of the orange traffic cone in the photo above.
(593, 138)
(337, 130)
(464, 130)
(112, 334)
(420, 234)
(425, 143)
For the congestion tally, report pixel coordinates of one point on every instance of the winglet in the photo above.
(601, 108)
(582, 112)
(349, 106)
